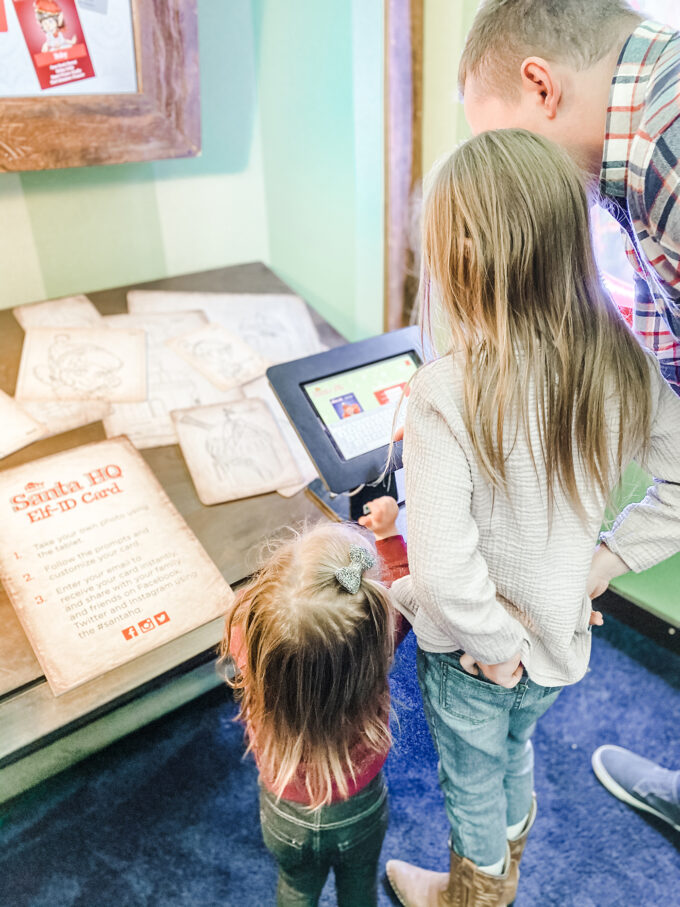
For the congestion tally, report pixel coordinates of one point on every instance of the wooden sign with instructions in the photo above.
(98, 563)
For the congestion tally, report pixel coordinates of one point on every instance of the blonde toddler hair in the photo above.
(317, 659)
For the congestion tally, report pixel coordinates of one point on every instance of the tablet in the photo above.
(342, 404)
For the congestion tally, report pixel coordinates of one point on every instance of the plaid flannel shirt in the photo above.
(641, 177)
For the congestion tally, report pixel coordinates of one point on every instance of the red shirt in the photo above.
(365, 760)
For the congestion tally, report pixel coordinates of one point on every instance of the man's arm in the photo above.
(659, 213)
(650, 321)
(648, 532)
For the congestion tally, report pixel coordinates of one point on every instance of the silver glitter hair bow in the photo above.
(360, 560)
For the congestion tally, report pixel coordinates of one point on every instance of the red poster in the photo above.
(55, 41)
(3, 16)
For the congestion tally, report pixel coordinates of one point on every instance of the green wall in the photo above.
(320, 101)
(290, 174)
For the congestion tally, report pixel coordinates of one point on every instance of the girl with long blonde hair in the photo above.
(514, 439)
(313, 635)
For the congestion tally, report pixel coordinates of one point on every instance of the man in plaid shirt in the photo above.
(596, 78)
(641, 177)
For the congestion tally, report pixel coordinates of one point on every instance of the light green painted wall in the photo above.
(368, 27)
(320, 83)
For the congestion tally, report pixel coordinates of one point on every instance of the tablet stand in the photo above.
(369, 493)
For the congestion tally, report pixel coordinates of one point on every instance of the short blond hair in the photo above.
(317, 658)
(505, 32)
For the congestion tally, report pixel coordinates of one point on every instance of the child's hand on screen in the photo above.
(596, 619)
(604, 566)
(382, 517)
(398, 435)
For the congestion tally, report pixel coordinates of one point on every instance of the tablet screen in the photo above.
(357, 407)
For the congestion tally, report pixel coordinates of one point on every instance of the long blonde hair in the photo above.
(314, 682)
(507, 250)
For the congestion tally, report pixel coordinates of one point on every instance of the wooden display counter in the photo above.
(41, 734)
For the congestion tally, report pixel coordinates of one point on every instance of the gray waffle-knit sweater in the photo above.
(491, 575)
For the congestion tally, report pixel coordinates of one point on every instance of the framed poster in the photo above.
(87, 82)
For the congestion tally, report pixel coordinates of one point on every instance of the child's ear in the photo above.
(539, 81)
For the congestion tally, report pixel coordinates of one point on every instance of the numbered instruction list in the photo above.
(98, 563)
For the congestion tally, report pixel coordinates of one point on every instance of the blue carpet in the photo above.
(169, 815)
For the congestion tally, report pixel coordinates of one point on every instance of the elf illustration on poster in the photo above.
(51, 19)
(54, 38)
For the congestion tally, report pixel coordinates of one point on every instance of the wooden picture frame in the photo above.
(403, 158)
(161, 120)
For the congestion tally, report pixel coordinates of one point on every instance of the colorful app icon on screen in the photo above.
(347, 405)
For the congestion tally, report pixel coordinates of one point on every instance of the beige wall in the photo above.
(446, 24)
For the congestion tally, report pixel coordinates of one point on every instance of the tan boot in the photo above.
(516, 850)
(464, 886)
(417, 887)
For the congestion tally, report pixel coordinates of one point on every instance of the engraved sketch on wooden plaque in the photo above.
(82, 364)
(261, 389)
(221, 355)
(234, 450)
(67, 312)
(277, 325)
(172, 382)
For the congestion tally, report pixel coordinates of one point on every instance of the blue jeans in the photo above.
(346, 836)
(482, 734)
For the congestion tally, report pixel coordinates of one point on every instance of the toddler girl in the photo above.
(513, 441)
(313, 636)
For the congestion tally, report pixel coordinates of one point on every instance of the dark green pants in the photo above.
(346, 836)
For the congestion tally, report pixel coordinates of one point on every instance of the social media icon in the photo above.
(130, 632)
(146, 625)
(161, 618)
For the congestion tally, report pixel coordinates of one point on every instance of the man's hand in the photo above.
(382, 517)
(506, 673)
(604, 566)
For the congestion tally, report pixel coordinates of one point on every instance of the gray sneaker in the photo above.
(639, 782)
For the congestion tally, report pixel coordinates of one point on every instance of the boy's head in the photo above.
(546, 66)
